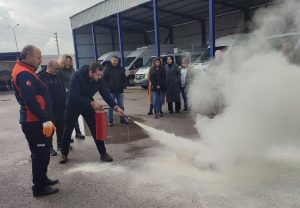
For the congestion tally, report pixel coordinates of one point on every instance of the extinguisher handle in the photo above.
(126, 118)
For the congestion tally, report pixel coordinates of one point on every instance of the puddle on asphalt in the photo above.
(122, 134)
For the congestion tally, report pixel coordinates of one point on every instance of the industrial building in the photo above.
(127, 24)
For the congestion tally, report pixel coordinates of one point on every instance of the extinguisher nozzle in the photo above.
(125, 118)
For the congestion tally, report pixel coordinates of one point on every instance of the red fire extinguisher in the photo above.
(101, 125)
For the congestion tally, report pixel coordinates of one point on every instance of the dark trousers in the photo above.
(59, 124)
(177, 106)
(77, 129)
(184, 97)
(40, 153)
(71, 117)
(151, 108)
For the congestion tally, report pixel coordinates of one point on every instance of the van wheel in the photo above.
(130, 81)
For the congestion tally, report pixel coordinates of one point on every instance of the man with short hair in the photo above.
(58, 95)
(83, 86)
(115, 78)
(35, 117)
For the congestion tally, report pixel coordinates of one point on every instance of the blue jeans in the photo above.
(119, 98)
(157, 100)
(184, 97)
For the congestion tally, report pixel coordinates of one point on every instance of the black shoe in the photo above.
(185, 109)
(58, 149)
(50, 182)
(111, 124)
(70, 147)
(63, 159)
(177, 111)
(72, 141)
(106, 158)
(170, 112)
(52, 152)
(47, 191)
(79, 136)
(150, 113)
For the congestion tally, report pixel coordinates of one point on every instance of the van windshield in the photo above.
(149, 62)
(128, 61)
(206, 54)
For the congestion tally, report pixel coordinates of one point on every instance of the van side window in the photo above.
(138, 63)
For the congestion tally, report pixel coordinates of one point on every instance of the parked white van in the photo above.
(220, 44)
(105, 58)
(140, 58)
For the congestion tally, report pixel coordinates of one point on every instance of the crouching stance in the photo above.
(83, 86)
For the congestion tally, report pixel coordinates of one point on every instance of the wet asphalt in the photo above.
(136, 178)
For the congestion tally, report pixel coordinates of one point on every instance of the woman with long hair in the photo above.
(157, 77)
(67, 69)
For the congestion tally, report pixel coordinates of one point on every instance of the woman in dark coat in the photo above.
(157, 77)
(173, 77)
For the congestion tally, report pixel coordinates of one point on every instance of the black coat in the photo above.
(65, 76)
(82, 90)
(173, 81)
(115, 78)
(158, 78)
(56, 89)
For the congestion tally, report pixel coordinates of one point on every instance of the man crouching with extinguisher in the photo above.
(84, 84)
(35, 117)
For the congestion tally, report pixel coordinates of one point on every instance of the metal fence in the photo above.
(5, 74)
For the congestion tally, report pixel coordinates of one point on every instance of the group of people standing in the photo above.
(47, 104)
(168, 82)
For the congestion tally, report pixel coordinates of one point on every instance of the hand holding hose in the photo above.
(119, 111)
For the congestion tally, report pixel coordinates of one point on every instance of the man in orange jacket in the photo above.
(35, 117)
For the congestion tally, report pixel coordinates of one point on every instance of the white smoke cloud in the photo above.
(255, 91)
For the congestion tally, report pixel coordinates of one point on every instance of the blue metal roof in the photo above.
(174, 12)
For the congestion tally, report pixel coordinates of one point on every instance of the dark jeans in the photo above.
(77, 129)
(151, 108)
(157, 100)
(59, 124)
(40, 153)
(184, 97)
(71, 117)
(119, 98)
(177, 106)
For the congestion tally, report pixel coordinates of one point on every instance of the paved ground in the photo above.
(144, 173)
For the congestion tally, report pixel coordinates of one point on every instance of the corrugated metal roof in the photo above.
(137, 14)
(103, 10)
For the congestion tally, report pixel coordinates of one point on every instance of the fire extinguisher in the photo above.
(101, 125)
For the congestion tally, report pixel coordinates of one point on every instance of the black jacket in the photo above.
(115, 78)
(56, 89)
(65, 76)
(82, 90)
(158, 77)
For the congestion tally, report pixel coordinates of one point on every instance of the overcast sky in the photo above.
(38, 20)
